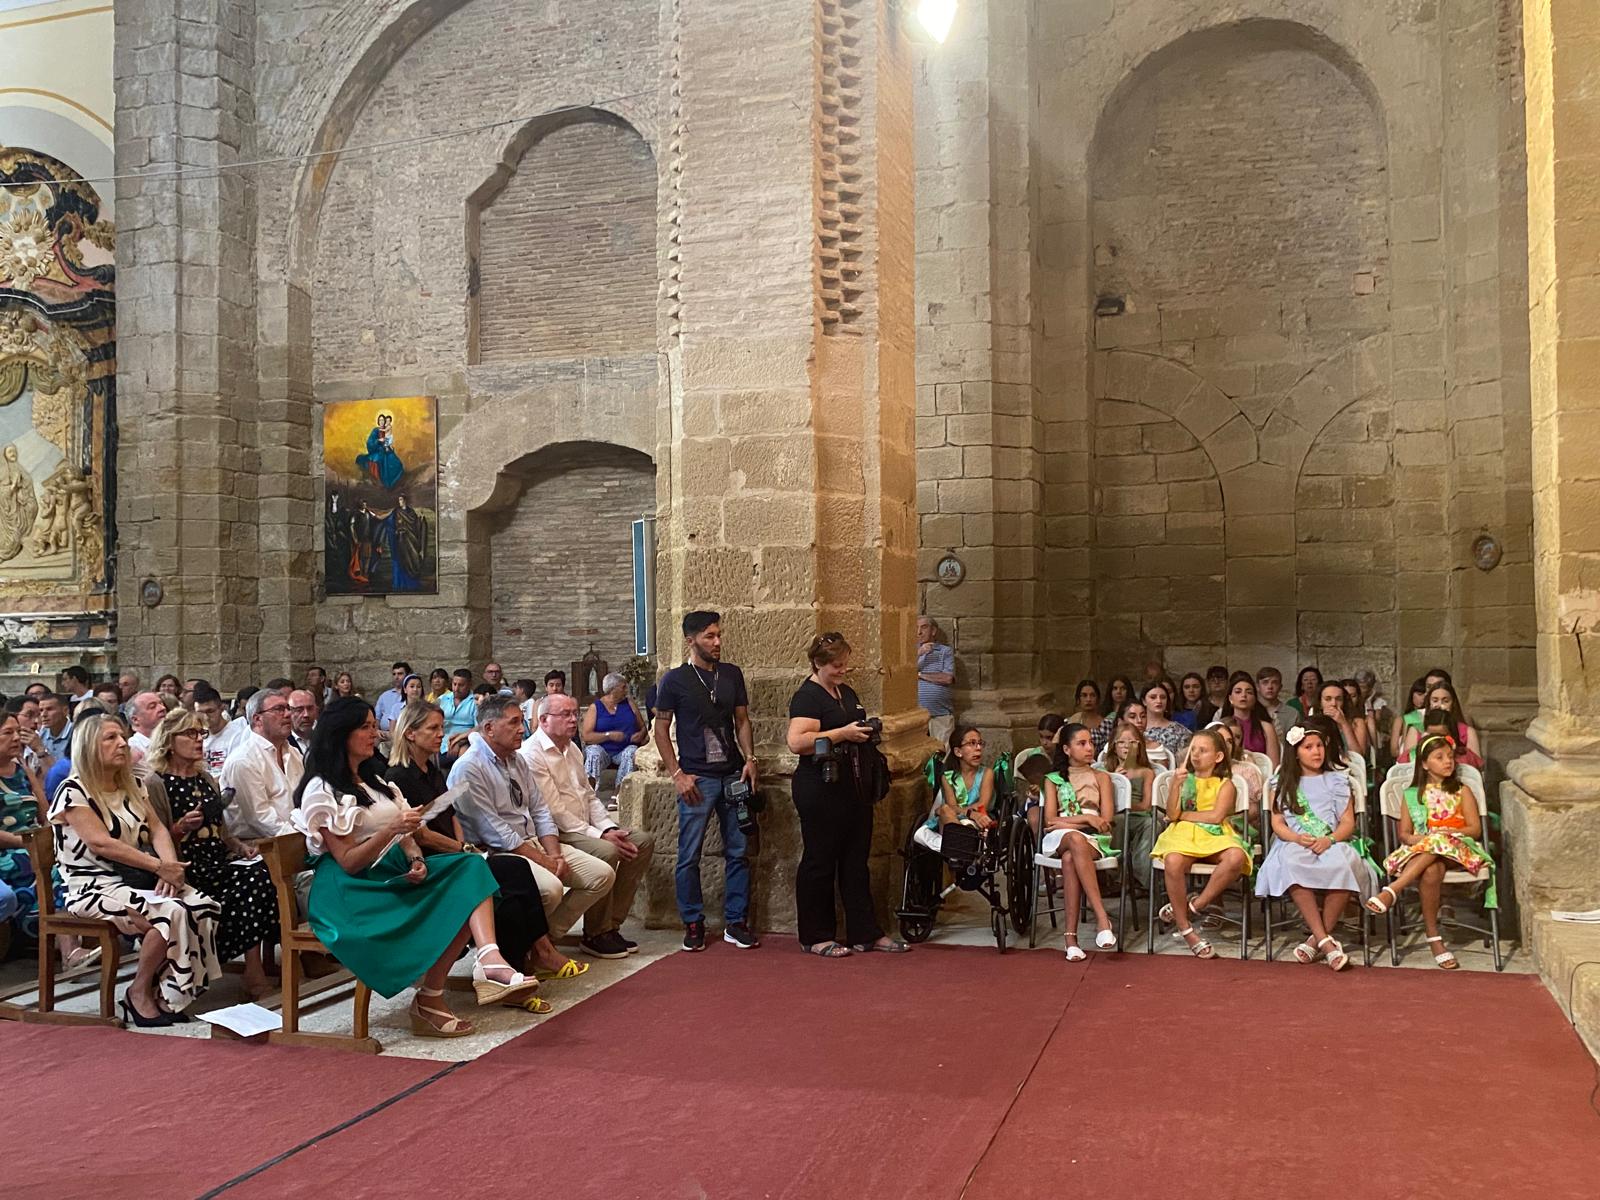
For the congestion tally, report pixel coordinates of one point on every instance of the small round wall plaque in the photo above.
(1485, 552)
(150, 593)
(951, 571)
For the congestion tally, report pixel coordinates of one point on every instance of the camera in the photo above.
(876, 725)
(826, 759)
(741, 796)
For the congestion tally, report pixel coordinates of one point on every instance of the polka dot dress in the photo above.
(249, 904)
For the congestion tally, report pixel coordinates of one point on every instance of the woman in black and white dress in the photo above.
(118, 863)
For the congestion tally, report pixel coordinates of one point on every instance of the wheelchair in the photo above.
(997, 864)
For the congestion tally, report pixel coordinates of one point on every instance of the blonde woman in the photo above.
(119, 864)
(222, 866)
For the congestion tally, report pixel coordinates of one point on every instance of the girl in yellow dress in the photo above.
(1199, 830)
(1440, 827)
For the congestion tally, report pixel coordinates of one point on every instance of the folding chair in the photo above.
(1392, 800)
(1160, 757)
(1158, 807)
(52, 922)
(1122, 797)
(1262, 762)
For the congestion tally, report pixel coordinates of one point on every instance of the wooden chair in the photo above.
(42, 853)
(286, 858)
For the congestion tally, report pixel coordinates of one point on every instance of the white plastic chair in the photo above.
(1122, 800)
(1158, 808)
(1392, 800)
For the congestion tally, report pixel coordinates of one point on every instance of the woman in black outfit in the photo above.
(519, 917)
(835, 821)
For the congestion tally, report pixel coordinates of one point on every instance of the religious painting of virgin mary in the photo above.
(380, 467)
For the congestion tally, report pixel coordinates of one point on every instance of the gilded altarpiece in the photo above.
(57, 401)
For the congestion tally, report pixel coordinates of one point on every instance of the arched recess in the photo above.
(1239, 219)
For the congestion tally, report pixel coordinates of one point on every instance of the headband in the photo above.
(1428, 744)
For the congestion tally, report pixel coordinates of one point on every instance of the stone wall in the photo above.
(562, 559)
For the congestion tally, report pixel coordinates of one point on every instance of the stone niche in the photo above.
(57, 416)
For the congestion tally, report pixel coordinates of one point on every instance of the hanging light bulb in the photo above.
(935, 17)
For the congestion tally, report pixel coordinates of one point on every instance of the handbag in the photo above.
(137, 878)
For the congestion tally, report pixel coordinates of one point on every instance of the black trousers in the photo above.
(519, 919)
(836, 829)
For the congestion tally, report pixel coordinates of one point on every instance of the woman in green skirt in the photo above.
(393, 917)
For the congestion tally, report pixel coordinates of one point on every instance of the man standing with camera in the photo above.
(713, 769)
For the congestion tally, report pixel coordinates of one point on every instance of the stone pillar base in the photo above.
(649, 801)
(1551, 813)
(1008, 717)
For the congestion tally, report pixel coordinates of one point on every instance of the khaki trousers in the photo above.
(588, 882)
(612, 911)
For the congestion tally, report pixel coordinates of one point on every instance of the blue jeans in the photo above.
(692, 823)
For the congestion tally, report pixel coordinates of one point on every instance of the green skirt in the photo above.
(389, 931)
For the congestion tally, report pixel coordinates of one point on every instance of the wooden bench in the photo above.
(286, 858)
(42, 853)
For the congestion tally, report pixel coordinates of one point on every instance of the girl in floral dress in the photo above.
(1078, 811)
(1440, 827)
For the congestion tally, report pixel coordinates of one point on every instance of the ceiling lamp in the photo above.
(932, 19)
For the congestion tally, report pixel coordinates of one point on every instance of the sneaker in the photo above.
(628, 943)
(604, 945)
(694, 935)
(739, 935)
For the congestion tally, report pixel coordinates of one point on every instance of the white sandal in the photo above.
(1105, 940)
(1201, 948)
(1445, 959)
(1075, 954)
(1307, 952)
(1377, 907)
(452, 1027)
(1337, 958)
(492, 991)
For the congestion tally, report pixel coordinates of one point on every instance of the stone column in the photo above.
(186, 463)
(787, 482)
(1552, 804)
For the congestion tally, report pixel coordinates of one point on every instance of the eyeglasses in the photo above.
(274, 708)
(969, 744)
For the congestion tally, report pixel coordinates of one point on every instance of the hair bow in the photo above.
(1295, 736)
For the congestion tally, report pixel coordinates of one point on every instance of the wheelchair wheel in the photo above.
(919, 898)
(997, 921)
(915, 931)
(1019, 876)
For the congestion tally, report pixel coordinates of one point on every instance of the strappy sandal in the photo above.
(1075, 953)
(1200, 948)
(570, 969)
(1375, 904)
(1166, 915)
(490, 991)
(889, 947)
(1445, 959)
(537, 1005)
(829, 950)
(1337, 958)
(451, 1027)
(1307, 952)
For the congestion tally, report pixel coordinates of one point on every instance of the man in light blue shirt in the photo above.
(460, 707)
(55, 725)
(503, 812)
(936, 673)
(392, 701)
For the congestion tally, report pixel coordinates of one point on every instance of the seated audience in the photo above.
(304, 709)
(222, 732)
(55, 725)
(1307, 691)
(1375, 709)
(344, 686)
(1242, 771)
(1311, 859)
(109, 693)
(1440, 826)
(1191, 693)
(1216, 700)
(222, 867)
(264, 770)
(1334, 704)
(1410, 718)
(1049, 726)
(460, 708)
(1087, 699)
(438, 685)
(519, 918)
(1256, 731)
(170, 685)
(555, 683)
(118, 864)
(1159, 727)
(1444, 709)
(1078, 811)
(317, 683)
(34, 751)
(1200, 829)
(966, 787)
(586, 830)
(1269, 690)
(495, 676)
(1118, 712)
(21, 801)
(612, 731)
(389, 935)
(504, 811)
(392, 699)
(1126, 756)
(526, 693)
(145, 716)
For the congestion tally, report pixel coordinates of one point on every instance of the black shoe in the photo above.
(628, 943)
(739, 935)
(131, 1016)
(694, 935)
(603, 945)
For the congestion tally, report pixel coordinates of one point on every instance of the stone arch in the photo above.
(540, 273)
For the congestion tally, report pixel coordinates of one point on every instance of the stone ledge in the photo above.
(1569, 963)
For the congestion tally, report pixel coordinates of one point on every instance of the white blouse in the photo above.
(321, 807)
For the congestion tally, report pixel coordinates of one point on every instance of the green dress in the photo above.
(387, 930)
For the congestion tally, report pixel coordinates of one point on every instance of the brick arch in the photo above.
(1212, 417)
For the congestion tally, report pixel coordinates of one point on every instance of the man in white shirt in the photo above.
(504, 812)
(585, 825)
(222, 735)
(146, 714)
(264, 770)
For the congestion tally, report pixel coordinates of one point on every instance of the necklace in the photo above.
(711, 688)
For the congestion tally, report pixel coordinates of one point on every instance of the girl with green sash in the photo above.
(1078, 811)
(1314, 850)
(1199, 829)
(1440, 827)
(964, 791)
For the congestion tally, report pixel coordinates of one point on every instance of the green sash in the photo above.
(1418, 808)
(1318, 828)
(1188, 800)
(958, 788)
(1070, 806)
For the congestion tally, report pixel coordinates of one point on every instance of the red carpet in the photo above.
(103, 1112)
(944, 1073)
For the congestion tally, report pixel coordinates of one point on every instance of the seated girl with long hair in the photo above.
(1199, 830)
(966, 788)
(1078, 812)
(1118, 693)
(1442, 699)
(1191, 695)
(1126, 756)
(1087, 700)
(1313, 820)
(1256, 732)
